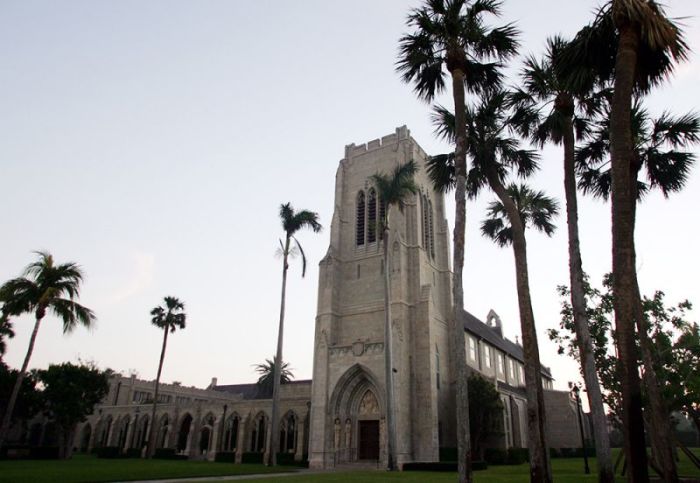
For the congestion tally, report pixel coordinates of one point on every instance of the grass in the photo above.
(83, 469)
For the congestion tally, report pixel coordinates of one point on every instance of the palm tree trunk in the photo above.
(659, 415)
(18, 383)
(623, 251)
(458, 351)
(578, 303)
(273, 443)
(154, 430)
(388, 356)
(540, 469)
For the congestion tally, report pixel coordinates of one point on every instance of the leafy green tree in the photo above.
(292, 222)
(393, 190)
(451, 36)
(485, 412)
(632, 44)
(675, 349)
(168, 318)
(550, 110)
(495, 155)
(267, 374)
(28, 401)
(70, 393)
(44, 287)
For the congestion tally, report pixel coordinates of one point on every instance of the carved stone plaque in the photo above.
(358, 348)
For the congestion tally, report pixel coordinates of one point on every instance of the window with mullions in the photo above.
(360, 232)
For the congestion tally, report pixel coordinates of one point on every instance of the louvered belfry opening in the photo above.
(360, 233)
(372, 216)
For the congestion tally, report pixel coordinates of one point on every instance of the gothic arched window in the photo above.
(372, 216)
(382, 218)
(360, 221)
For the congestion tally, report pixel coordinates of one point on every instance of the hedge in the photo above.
(225, 457)
(109, 452)
(256, 458)
(442, 466)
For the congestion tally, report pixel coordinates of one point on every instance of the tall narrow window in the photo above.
(437, 366)
(360, 233)
(424, 225)
(430, 229)
(382, 218)
(372, 216)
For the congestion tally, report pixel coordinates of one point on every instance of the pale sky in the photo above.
(153, 142)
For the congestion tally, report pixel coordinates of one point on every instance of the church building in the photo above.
(339, 417)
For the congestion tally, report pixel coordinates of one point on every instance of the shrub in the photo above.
(479, 465)
(133, 453)
(255, 458)
(168, 454)
(518, 456)
(436, 466)
(225, 457)
(109, 452)
(44, 453)
(496, 456)
(448, 454)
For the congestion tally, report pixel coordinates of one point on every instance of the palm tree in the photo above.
(44, 287)
(547, 109)
(168, 318)
(633, 44)
(6, 332)
(393, 190)
(451, 35)
(660, 156)
(267, 372)
(494, 154)
(292, 222)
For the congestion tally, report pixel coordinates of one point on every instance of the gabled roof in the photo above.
(482, 331)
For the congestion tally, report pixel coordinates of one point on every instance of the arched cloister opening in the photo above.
(141, 428)
(230, 442)
(123, 428)
(184, 432)
(35, 434)
(259, 433)
(163, 432)
(288, 433)
(105, 428)
(206, 433)
(85, 434)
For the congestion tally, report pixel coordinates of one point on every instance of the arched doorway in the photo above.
(140, 438)
(184, 433)
(123, 425)
(163, 432)
(357, 428)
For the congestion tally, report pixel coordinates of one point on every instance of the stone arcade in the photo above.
(339, 418)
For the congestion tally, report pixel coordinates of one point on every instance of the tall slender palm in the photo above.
(169, 318)
(452, 36)
(548, 109)
(660, 155)
(44, 287)
(393, 190)
(494, 154)
(634, 44)
(292, 222)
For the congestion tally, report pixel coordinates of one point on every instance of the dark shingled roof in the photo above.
(490, 335)
(250, 391)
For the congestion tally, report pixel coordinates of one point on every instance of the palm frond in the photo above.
(303, 257)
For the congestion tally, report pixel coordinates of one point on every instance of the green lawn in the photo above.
(84, 469)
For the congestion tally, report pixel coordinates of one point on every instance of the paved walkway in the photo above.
(257, 476)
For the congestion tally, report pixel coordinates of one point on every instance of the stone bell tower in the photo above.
(348, 401)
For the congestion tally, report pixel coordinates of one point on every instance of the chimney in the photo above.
(213, 383)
